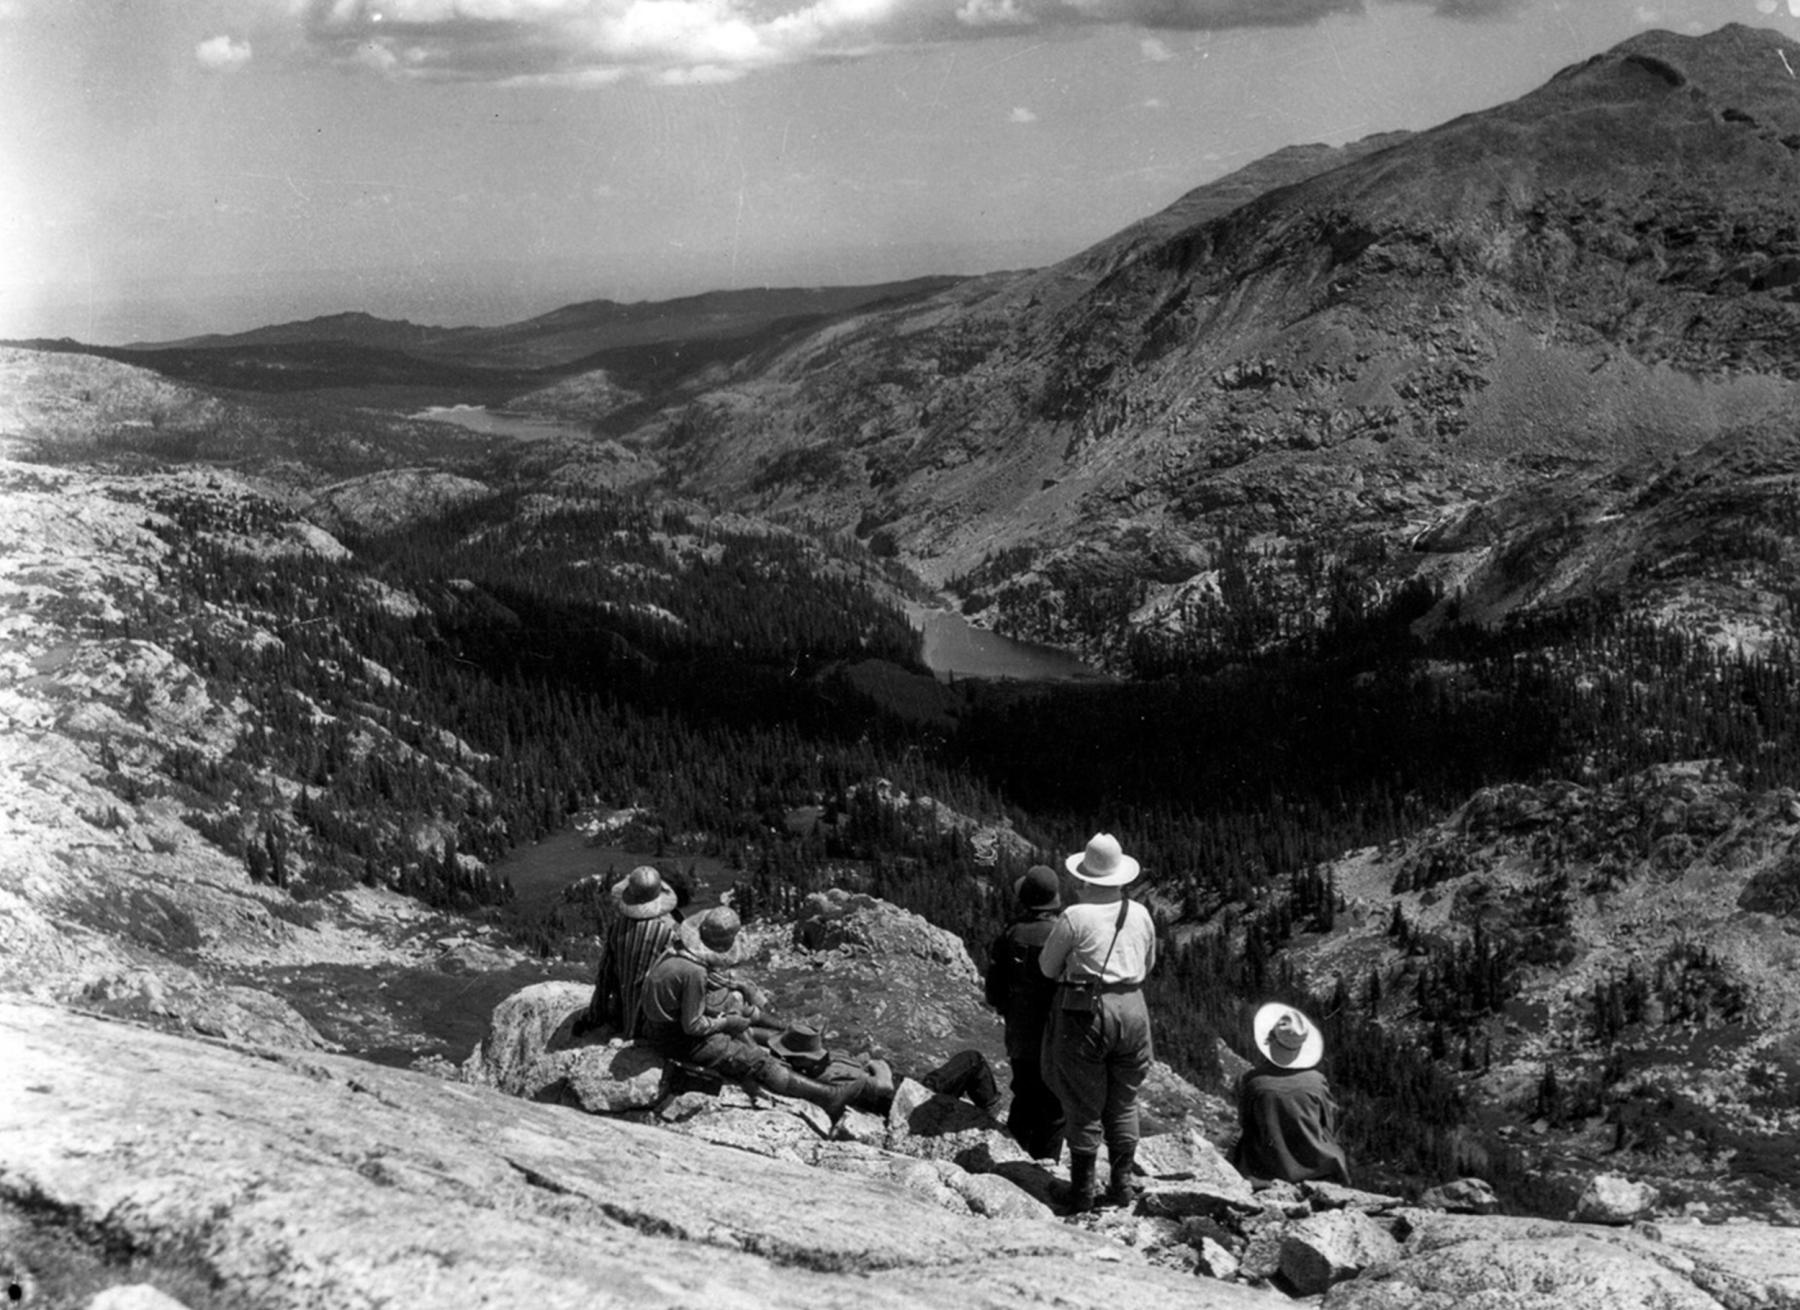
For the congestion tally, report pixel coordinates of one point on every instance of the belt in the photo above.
(1109, 987)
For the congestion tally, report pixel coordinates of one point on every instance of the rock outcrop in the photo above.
(231, 1177)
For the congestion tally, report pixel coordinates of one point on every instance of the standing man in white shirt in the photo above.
(1098, 1050)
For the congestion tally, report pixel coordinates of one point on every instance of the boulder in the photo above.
(520, 1033)
(856, 923)
(924, 1123)
(1324, 1250)
(1186, 1155)
(608, 1079)
(1335, 1196)
(1261, 1257)
(1213, 1260)
(1464, 1196)
(1610, 1199)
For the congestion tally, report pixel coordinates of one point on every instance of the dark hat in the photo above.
(1039, 887)
(800, 1042)
(712, 938)
(642, 894)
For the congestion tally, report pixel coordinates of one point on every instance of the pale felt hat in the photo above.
(712, 939)
(642, 894)
(1287, 1038)
(1102, 863)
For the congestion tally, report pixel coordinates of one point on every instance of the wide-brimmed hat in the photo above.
(1287, 1038)
(712, 938)
(800, 1042)
(1102, 863)
(1038, 888)
(642, 894)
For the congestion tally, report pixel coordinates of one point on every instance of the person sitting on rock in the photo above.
(675, 1025)
(803, 1050)
(641, 928)
(1017, 988)
(1286, 1113)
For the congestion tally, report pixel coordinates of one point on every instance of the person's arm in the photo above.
(695, 1021)
(1057, 948)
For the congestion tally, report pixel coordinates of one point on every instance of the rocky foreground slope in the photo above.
(230, 1176)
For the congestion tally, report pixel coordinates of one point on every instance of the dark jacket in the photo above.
(1015, 985)
(1289, 1122)
(673, 1008)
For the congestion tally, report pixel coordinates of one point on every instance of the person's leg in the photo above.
(1127, 1065)
(1036, 1117)
(1075, 1060)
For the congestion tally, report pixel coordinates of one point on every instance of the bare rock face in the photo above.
(301, 1180)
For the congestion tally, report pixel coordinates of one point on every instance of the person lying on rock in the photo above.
(640, 929)
(1016, 987)
(1286, 1113)
(675, 1025)
(802, 1049)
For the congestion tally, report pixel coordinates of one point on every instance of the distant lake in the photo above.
(953, 645)
(479, 418)
(540, 871)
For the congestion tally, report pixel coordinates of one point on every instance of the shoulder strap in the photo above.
(1118, 927)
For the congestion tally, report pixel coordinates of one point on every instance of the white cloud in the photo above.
(595, 42)
(1155, 50)
(1021, 114)
(222, 54)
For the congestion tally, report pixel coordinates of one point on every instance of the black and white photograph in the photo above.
(899, 654)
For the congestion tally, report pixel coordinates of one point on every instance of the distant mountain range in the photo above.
(573, 332)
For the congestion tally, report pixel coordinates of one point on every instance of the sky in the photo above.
(173, 167)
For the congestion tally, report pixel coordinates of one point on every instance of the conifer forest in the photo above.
(542, 657)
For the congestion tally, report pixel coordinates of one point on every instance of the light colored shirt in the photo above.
(1083, 932)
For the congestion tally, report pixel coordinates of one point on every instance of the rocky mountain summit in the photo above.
(1505, 354)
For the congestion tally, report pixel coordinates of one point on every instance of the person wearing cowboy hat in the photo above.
(1286, 1114)
(801, 1048)
(639, 930)
(1097, 1050)
(1017, 987)
(676, 1025)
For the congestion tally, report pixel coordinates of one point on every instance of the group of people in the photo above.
(1067, 975)
(670, 983)
(1068, 980)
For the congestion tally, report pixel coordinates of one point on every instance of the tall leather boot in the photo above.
(833, 1098)
(1078, 1196)
(1123, 1188)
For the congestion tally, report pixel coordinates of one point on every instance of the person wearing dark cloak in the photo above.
(1016, 987)
(639, 929)
(1287, 1116)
